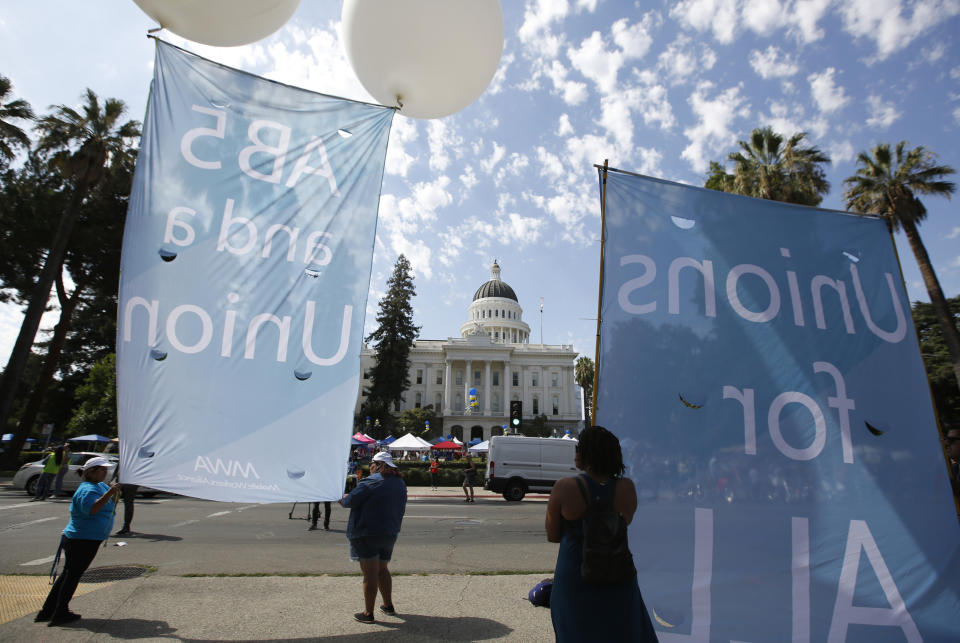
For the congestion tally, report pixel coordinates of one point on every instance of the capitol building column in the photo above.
(486, 389)
(466, 387)
(446, 388)
(506, 387)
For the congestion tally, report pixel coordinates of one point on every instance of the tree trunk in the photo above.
(67, 306)
(947, 324)
(31, 323)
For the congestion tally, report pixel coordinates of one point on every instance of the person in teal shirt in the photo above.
(91, 518)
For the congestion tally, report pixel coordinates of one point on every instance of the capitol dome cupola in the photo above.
(496, 310)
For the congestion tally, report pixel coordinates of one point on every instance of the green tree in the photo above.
(393, 339)
(766, 167)
(415, 421)
(78, 146)
(538, 427)
(97, 397)
(93, 262)
(936, 359)
(887, 184)
(583, 373)
(11, 109)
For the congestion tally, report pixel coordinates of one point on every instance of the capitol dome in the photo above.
(495, 311)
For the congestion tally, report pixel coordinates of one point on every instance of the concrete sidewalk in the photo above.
(429, 608)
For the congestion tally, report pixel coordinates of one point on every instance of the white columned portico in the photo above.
(486, 388)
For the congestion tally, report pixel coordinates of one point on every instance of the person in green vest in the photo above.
(50, 469)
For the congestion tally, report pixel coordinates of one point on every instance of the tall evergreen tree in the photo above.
(887, 184)
(393, 340)
(936, 359)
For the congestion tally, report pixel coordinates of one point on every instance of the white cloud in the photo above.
(713, 132)
(956, 115)
(440, 137)
(469, 178)
(954, 233)
(718, 16)
(595, 62)
(805, 17)
(841, 152)
(681, 62)
(828, 96)
(500, 76)
(404, 131)
(886, 23)
(535, 32)
(495, 157)
(563, 125)
(769, 64)
(763, 16)
(635, 40)
(550, 165)
(573, 92)
(514, 166)
(882, 115)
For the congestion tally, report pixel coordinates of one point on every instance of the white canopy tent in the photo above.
(409, 442)
(482, 447)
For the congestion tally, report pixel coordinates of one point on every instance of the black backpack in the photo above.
(606, 554)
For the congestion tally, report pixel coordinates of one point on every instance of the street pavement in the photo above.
(480, 601)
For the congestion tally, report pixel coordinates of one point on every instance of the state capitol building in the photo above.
(494, 356)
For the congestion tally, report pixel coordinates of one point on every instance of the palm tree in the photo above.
(79, 146)
(11, 136)
(887, 184)
(768, 168)
(583, 373)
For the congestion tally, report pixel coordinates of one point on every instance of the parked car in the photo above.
(517, 464)
(28, 475)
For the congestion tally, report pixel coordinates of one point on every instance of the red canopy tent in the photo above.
(447, 445)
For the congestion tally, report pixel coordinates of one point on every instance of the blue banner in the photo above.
(246, 265)
(759, 363)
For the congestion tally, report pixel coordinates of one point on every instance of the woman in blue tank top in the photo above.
(584, 611)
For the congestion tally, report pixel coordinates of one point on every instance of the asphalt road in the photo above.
(179, 535)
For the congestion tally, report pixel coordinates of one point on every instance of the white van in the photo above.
(517, 464)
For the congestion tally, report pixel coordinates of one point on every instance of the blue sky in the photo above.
(656, 88)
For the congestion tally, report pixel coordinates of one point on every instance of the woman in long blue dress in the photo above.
(586, 611)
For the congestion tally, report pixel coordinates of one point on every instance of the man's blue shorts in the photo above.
(378, 547)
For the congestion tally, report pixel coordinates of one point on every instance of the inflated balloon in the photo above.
(430, 57)
(221, 23)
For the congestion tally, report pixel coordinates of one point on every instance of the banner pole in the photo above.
(603, 236)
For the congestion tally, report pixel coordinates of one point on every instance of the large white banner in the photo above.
(759, 364)
(246, 265)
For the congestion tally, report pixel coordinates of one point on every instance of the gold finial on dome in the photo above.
(495, 270)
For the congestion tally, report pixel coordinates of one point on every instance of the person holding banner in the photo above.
(376, 506)
(583, 611)
(91, 517)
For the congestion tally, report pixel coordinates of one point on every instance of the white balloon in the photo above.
(434, 57)
(220, 23)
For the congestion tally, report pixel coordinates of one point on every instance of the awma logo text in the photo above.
(231, 468)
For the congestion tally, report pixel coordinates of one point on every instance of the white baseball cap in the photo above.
(96, 461)
(384, 457)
